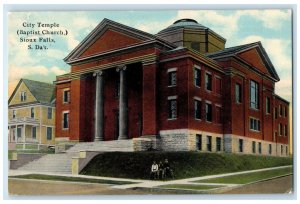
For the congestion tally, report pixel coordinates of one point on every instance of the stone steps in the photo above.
(55, 163)
(62, 162)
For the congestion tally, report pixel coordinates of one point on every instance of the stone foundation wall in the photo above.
(233, 147)
(174, 140)
(185, 140)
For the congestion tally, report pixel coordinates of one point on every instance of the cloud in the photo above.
(226, 23)
(270, 18)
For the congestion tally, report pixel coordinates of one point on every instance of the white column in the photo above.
(99, 106)
(24, 136)
(123, 104)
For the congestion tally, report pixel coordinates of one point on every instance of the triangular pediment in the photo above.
(257, 57)
(110, 40)
(108, 36)
(252, 57)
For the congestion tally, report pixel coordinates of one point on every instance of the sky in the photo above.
(272, 27)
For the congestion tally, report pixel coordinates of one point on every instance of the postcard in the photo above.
(150, 102)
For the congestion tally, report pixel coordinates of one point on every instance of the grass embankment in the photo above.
(70, 179)
(185, 164)
(250, 177)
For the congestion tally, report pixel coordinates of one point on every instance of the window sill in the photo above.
(169, 86)
(257, 131)
(255, 109)
(198, 119)
(208, 121)
(197, 86)
(65, 129)
(172, 119)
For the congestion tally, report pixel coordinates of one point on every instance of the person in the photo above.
(161, 172)
(154, 170)
(167, 169)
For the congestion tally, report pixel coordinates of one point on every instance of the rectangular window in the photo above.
(254, 124)
(49, 133)
(259, 147)
(218, 85)
(197, 105)
(280, 129)
(270, 149)
(238, 93)
(33, 132)
(49, 113)
(218, 141)
(285, 111)
(280, 110)
(66, 96)
(253, 147)
(286, 150)
(32, 112)
(208, 81)
(218, 114)
(285, 130)
(23, 96)
(197, 77)
(14, 113)
(268, 107)
(241, 145)
(65, 120)
(281, 149)
(276, 113)
(208, 143)
(172, 78)
(208, 112)
(199, 142)
(254, 95)
(172, 108)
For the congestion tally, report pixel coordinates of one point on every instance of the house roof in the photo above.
(233, 51)
(43, 92)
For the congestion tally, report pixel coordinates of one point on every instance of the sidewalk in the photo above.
(139, 183)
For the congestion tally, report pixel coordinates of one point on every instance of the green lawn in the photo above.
(248, 178)
(189, 186)
(137, 165)
(70, 179)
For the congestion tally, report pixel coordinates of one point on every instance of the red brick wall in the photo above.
(150, 99)
(201, 92)
(60, 107)
(110, 40)
(281, 120)
(180, 91)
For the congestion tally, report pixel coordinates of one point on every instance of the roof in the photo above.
(102, 27)
(183, 23)
(43, 92)
(232, 51)
(282, 99)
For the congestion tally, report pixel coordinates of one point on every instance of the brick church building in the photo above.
(178, 90)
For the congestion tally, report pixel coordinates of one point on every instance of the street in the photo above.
(279, 185)
(39, 187)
